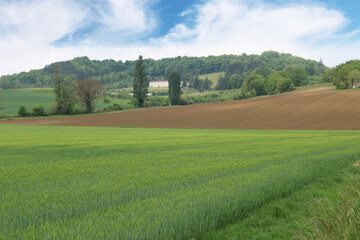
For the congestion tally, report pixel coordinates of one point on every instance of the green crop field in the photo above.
(213, 77)
(12, 99)
(133, 183)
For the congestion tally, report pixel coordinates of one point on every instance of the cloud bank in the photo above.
(34, 33)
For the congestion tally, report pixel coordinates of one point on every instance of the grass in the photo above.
(285, 217)
(213, 77)
(336, 218)
(133, 183)
(13, 99)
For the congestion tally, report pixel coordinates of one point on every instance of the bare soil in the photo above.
(320, 109)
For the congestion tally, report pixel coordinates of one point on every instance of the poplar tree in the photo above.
(58, 87)
(140, 82)
(174, 88)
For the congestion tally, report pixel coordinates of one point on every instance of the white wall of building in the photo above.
(157, 84)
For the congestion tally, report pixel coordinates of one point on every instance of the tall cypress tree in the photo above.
(140, 82)
(174, 88)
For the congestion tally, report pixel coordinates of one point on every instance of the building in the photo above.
(159, 84)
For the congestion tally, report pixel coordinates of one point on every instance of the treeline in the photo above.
(345, 75)
(119, 74)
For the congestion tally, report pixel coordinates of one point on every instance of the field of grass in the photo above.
(29, 97)
(135, 183)
(213, 77)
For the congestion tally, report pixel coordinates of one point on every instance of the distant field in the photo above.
(135, 183)
(12, 99)
(29, 97)
(312, 109)
(315, 86)
(213, 77)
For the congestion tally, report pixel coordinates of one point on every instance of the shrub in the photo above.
(22, 111)
(107, 100)
(114, 107)
(284, 85)
(38, 110)
(183, 101)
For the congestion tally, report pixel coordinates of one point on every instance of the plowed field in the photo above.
(319, 108)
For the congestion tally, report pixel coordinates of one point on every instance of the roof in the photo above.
(160, 81)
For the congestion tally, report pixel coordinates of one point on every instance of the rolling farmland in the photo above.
(213, 77)
(130, 183)
(13, 99)
(311, 109)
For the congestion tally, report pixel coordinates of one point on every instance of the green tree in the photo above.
(58, 88)
(234, 82)
(271, 84)
(328, 75)
(22, 111)
(341, 78)
(263, 71)
(284, 85)
(297, 75)
(354, 77)
(140, 83)
(255, 82)
(206, 84)
(69, 95)
(174, 87)
(38, 110)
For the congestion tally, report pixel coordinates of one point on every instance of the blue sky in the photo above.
(34, 33)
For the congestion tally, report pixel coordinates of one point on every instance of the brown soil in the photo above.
(309, 109)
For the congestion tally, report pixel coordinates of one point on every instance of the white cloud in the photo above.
(234, 27)
(28, 30)
(130, 17)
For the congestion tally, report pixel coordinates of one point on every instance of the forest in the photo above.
(118, 74)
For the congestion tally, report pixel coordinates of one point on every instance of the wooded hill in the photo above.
(119, 74)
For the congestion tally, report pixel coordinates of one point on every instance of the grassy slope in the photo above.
(282, 218)
(12, 99)
(213, 77)
(63, 182)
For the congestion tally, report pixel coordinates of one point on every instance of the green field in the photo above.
(133, 183)
(213, 77)
(29, 97)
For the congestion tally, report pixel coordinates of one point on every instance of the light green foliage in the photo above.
(284, 85)
(234, 82)
(263, 71)
(140, 82)
(297, 75)
(128, 183)
(174, 88)
(354, 78)
(22, 112)
(341, 78)
(118, 74)
(279, 82)
(329, 75)
(346, 74)
(256, 83)
(37, 110)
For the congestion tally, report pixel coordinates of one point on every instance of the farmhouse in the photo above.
(158, 84)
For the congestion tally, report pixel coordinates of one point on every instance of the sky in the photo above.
(35, 33)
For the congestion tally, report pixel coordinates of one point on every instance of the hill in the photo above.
(319, 108)
(119, 74)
